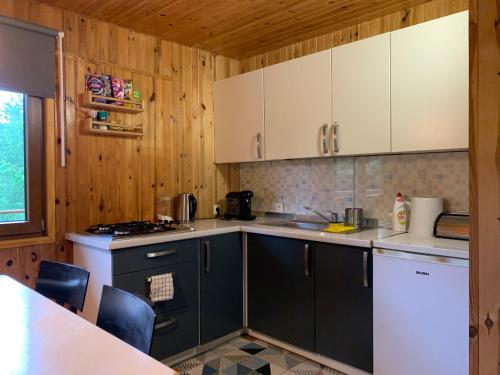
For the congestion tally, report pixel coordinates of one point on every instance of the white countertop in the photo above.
(425, 245)
(41, 337)
(210, 227)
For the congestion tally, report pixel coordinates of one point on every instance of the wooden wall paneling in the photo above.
(67, 189)
(166, 157)
(206, 76)
(145, 150)
(473, 191)
(176, 116)
(188, 80)
(163, 64)
(85, 194)
(486, 185)
(29, 258)
(9, 263)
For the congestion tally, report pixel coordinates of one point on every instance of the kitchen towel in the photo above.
(161, 287)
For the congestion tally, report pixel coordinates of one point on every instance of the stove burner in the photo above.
(132, 228)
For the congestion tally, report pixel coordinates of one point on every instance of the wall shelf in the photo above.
(129, 106)
(114, 128)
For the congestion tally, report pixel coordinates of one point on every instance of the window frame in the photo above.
(34, 163)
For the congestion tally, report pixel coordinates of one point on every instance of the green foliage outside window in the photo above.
(12, 161)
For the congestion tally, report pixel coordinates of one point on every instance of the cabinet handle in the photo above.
(165, 324)
(259, 145)
(335, 132)
(365, 269)
(207, 256)
(324, 140)
(161, 253)
(306, 260)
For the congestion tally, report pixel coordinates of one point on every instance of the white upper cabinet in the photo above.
(297, 106)
(430, 85)
(239, 118)
(361, 92)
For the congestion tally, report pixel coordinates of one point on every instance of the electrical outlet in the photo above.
(278, 207)
(216, 206)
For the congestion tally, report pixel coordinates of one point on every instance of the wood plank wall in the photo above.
(411, 16)
(110, 179)
(484, 181)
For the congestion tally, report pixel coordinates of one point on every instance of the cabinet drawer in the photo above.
(185, 284)
(179, 332)
(151, 256)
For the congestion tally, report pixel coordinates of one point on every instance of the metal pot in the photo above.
(354, 217)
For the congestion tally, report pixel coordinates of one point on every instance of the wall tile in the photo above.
(369, 182)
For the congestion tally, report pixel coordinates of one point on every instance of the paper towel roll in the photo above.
(423, 214)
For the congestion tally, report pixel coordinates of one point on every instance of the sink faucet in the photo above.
(333, 219)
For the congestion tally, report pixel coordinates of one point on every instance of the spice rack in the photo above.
(113, 128)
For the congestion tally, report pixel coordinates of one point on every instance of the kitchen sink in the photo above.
(296, 224)
(315, 226)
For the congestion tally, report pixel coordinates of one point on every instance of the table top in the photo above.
(40, 337)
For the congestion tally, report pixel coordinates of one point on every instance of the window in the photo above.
(21, 164)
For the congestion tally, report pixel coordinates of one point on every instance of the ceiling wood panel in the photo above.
(232, 28)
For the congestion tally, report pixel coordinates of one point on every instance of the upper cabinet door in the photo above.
(361, 92)
(430, 85)
(239, 118)
(298, 107)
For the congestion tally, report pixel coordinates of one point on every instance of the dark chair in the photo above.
(127, 316)
(63, 283)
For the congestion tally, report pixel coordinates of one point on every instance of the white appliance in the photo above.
(420, 314)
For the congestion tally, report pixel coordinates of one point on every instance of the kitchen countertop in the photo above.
(210, 227)
(425, 245)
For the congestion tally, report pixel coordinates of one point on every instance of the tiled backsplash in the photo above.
(370, 182)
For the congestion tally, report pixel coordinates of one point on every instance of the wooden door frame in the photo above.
(484, 42)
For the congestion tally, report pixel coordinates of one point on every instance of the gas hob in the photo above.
(136, 228)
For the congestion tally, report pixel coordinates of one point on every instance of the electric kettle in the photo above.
(186, 208)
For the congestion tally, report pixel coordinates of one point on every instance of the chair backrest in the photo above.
(127, 317)
(64, 283)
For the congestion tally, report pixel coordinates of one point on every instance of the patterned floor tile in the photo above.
(293, 360)
(248, 356)
(188, 365)
(253, 363)
(307, 368)
(252, 348)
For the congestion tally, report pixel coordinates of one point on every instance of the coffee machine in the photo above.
(239, 205)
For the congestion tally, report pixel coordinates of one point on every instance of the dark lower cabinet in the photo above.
(177, 327)
(344, 304)
(175, 331)
(221, 286)
(281, 289)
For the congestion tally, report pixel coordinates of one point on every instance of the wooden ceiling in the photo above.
(235, 28)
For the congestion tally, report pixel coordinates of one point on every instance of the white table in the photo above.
(37, 336)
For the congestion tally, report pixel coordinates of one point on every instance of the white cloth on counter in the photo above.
(161, 287)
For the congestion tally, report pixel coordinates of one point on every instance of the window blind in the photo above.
(27, 58)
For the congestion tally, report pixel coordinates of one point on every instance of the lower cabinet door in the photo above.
(281, 289)
(344, 304)
(175, 331)
(221, 286)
